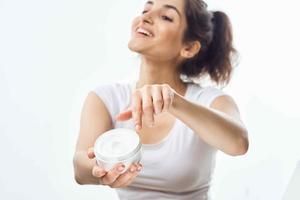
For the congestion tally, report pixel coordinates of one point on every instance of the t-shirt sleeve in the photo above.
(209, 94)
(115, 96)
(107, 93)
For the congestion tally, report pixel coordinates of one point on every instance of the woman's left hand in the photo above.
(147, 101)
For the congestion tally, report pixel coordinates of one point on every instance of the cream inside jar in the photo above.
(117, 145)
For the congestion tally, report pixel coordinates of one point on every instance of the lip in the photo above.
(148, 30)
(141, 35)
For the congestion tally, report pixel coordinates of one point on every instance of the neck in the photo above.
(158, 72)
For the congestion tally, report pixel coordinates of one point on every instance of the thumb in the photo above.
(125, 115)
(90, 153)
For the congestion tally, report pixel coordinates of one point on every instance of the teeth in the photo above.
(141, 30)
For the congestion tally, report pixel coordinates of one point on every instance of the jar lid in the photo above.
(117, 145)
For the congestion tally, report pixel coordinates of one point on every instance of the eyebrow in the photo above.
(166, 6)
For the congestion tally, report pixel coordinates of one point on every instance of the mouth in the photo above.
(144, 32)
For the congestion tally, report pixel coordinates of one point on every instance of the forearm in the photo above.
(83, 168)
(214, 127)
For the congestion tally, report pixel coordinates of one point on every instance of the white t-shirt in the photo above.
(181, 165)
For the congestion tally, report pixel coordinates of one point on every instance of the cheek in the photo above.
(170, 35)
(135, 22)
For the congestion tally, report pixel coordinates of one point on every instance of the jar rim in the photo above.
(119, 157)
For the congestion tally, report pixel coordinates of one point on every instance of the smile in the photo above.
(144, 32)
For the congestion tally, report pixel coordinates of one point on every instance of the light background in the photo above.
(53, 52)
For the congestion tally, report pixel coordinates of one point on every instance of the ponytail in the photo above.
(213, 30)
(220, 49)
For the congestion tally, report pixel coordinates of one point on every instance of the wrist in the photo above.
(176, 103)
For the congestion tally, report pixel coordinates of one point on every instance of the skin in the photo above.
(159, 94)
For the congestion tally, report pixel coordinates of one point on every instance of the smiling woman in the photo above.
(181, 124)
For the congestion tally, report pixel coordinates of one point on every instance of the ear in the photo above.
(190, 49)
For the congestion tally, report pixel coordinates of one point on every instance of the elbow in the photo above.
(77, 177)
(77, 180)
(76, 173)
(241, 146)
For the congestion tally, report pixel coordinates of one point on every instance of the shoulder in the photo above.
(113, 91)
(216, 98)
(115, 96)
(206, 94)
(115, 87)
(226, 104)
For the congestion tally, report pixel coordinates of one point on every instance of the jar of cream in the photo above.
(118, 145)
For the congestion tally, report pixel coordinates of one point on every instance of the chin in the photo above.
(136, 47)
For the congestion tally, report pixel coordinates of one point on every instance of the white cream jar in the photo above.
(118, 145)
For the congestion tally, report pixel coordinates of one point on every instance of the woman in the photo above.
(181, 124)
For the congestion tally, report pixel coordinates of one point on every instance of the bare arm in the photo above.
(219, 125)
(95, 119)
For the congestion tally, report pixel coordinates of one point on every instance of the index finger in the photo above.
(137, 109)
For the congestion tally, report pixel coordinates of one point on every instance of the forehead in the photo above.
(179, 4)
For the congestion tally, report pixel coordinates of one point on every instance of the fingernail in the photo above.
(121, 168)
(139, 168)
(132, 169)
(137, 127)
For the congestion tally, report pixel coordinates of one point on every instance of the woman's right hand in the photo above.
(114, 178)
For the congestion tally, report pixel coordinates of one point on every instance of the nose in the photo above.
(147, 17)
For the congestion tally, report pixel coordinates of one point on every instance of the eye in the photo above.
(144, 11)
(167, 18)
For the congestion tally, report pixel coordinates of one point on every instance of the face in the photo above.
(158, 31)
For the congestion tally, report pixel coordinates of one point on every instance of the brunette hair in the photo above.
(213, 30)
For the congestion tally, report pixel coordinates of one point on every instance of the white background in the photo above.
(53, 52)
